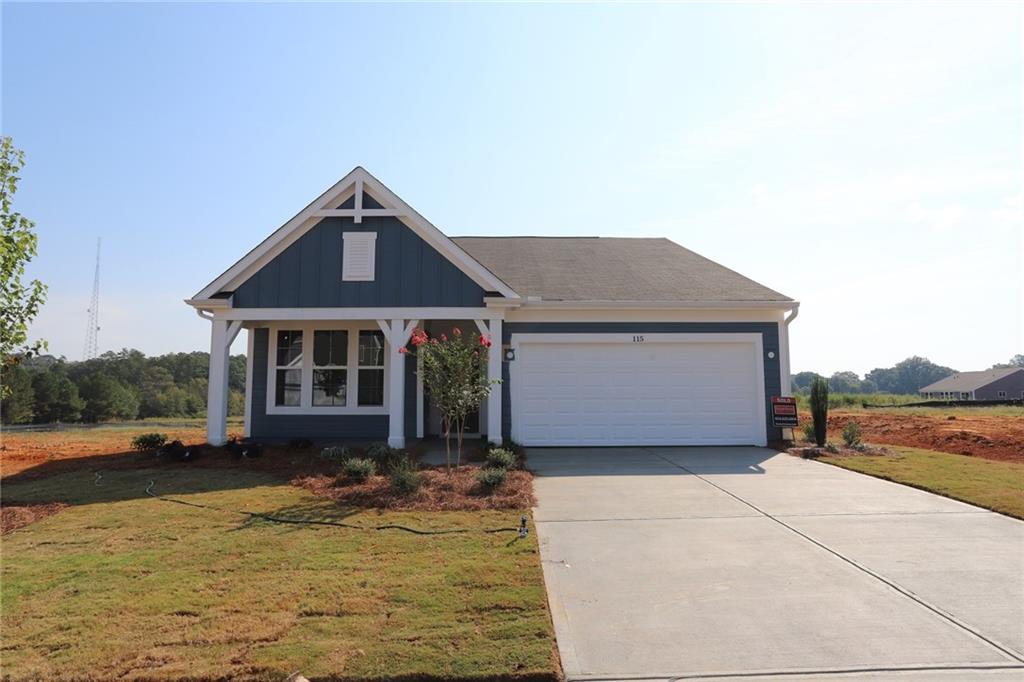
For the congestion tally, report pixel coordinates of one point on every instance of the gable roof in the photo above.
(969, 381)
(358, 186)
(612, 269)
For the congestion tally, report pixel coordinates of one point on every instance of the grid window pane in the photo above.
(330, 386)
(330, 348)
(289, 348)
(371, 386)
(288, 388)
(371, 350)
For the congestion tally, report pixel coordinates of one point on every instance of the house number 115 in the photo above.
(638, 339)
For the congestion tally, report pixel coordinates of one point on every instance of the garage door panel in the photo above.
(622, 393)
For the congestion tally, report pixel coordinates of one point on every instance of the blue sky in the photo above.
(864, 159)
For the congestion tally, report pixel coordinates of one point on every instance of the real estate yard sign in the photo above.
(783, 411)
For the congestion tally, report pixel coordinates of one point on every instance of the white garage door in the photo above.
(653, 389)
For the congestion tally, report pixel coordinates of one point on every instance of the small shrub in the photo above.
(404, 477)
(852, 434)
(500, 458)
(830, 447)
(359, 468)
(379, 451)
(148, 441)
(808, 429)
(335, 453)
(492, 477)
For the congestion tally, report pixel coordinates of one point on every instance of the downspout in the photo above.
(786, 378)
(204, 314)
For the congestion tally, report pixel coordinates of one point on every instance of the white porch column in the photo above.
(222, 334)
(397, 335)
(493, 330)
(494, 372)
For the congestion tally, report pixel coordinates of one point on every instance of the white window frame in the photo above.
(352, 386)
(370, 241)
(1000, 395)
(348, 358)
(383, 366)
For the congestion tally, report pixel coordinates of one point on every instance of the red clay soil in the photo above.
(18, 515)
(998, 437)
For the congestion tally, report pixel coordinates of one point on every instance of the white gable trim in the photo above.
(323, 206)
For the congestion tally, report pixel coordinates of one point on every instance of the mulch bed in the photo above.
(813, 451)
(14, 515)
(440, 491)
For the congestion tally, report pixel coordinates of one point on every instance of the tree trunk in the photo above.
(462, 429)
(446, 424)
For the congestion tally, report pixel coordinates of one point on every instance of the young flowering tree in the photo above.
(455, 372)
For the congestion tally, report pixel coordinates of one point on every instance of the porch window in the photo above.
(371, 368)
(330, 367)
(288, 368)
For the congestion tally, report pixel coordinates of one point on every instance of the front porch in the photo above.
(337, 374)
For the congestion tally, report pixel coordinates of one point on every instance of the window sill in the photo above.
(326, 410)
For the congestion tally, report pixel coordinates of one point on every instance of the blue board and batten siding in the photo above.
(409, 272)
(769, 332)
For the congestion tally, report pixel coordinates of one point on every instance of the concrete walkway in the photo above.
(666, 563)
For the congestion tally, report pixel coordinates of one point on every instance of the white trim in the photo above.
(250, 346)
(292, 230)
(754, 339)
(673, 305)
(358, 214)
(336, 314)
(531, 314)
(306, 396)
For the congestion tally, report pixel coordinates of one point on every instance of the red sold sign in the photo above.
(783, 411)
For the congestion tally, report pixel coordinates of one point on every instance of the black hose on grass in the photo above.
(339, 524)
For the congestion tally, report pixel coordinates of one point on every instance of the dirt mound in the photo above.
(998, 437)
(14, 515)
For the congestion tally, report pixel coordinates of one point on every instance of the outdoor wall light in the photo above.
(771, 354)
(510, 354)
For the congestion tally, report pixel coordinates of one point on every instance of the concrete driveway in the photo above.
(684, 563)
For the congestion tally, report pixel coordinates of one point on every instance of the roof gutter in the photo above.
(493, 301)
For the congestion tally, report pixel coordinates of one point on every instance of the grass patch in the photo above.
(123, 585)
(998, 486)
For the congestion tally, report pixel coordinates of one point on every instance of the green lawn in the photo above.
(121, 585)
(998, 486)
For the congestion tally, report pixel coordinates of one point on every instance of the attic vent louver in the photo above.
(358, 256)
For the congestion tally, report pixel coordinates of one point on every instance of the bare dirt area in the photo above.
(49, 452)
(989, 436)
(14, 516)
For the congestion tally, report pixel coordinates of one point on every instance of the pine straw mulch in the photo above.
(439, 491)
(15, 515)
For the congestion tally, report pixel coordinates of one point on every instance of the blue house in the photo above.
(597, 341)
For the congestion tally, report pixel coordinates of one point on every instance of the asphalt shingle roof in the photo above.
(969, 381)
(610, 269)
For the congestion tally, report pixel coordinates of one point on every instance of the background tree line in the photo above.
(117, 385)
(906, 377)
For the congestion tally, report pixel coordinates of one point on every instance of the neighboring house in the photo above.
(597, 341)
(1006, 383)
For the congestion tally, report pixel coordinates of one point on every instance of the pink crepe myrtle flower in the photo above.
(484, 341)
(456, 331)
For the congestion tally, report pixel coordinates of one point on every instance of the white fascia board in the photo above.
(676, 305)
(292, 314)
(209, 303)
(302, 222)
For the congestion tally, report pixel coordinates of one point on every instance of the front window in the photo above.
(288, 368)
(1001, 394)
(330, 367)
(371, 368)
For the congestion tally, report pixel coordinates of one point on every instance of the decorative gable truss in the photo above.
(358, 195)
